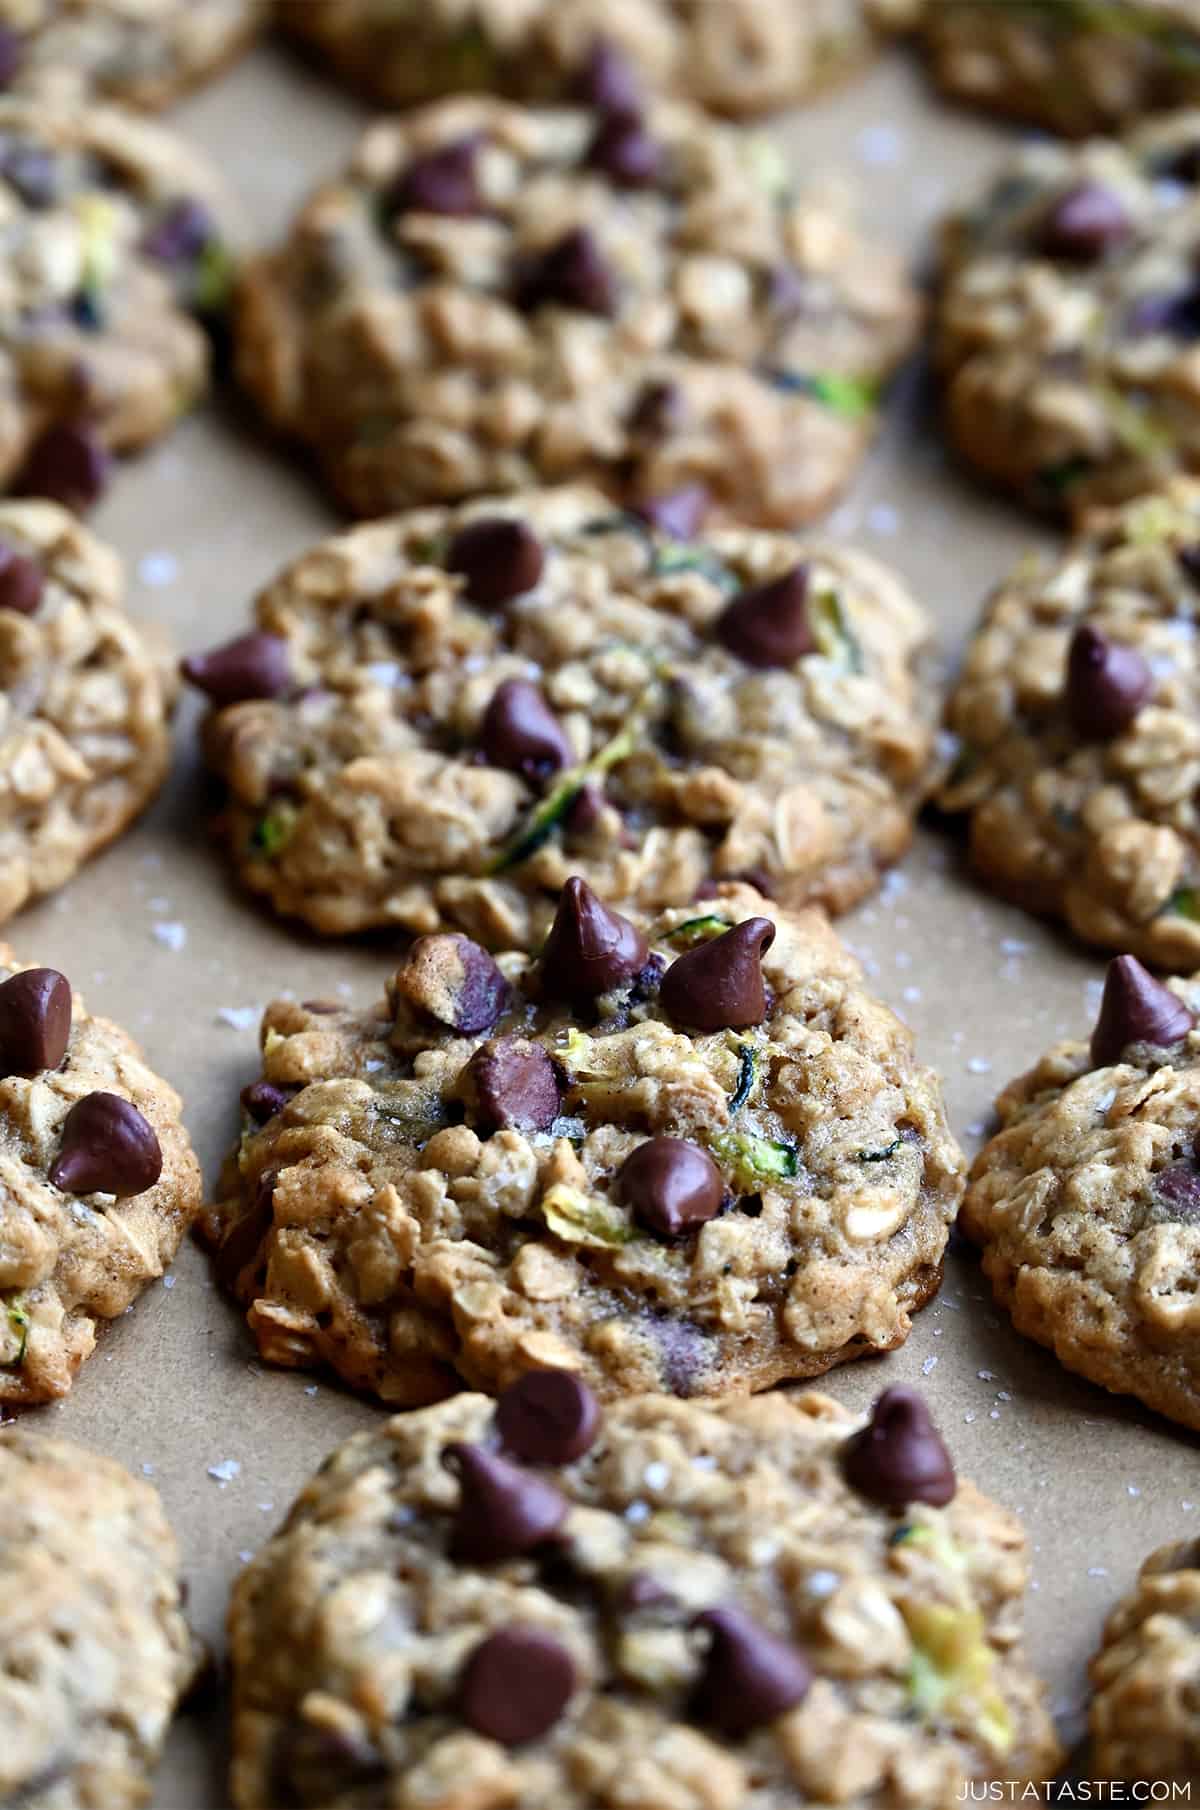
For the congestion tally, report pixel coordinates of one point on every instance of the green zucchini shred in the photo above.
(752, 1160)
(880, 1156)
(697, 930)
(853, 398)
(1184, 902)
(748, 1075)
(548, 816)
(272, 833)
(18, 1320)
(831, 630)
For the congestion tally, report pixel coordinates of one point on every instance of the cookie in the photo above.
(737, 56)
(1145, 1713)
(85, 701)
(437, 719)
(95, 1652)
(99, 1181)
(622, 1159)
(144, 53)
(1076, 713)
(666, 1603)
(1066, 322)
(490, 298)
(113, 240)
(1086, 1204)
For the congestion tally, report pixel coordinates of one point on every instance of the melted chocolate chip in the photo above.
(768, 625)
(516, 1685)
(608, 81)
(499, 557)
(455, 982)
(22, 582)
(242, 1243)
(441, 182)
(1107, 684)
(182, 233)
(626, 152)
(515, 1086)
(503, 1511)
(35, 1021)
(590, 949)
(573, 272)
(1175, 313)
(521, 733)
(719, 985)
(643, 1591)
(1136, 1008)
(263, 1099)
(678, 513)
(107, 1147)
(898, 1457)
(251, 667)
(1177, 1189)
(750, 1677)
(659, 411)
(69, 464)
(672, 1186)
(1085, 225)
(584, 814)
(548, 1417)
(32, 171)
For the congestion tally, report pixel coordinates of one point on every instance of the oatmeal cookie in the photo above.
(85, 701)
(697, 1158)
(1145, 1713)
(440, 717)
(113, 238)
(1066, 325)
(1087, 1202)
(737, 56)
(98, 1182)
(1079, 717)
(666, 1603)
(144, 53)
(490, 298)
(95, 1652)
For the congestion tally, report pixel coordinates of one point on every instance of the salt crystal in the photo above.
(172, 936)
(226, 1471)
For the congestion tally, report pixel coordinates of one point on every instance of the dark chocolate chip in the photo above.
(252, 666)
(659, 411)
(677, 513)
(1107, 684)
(788, 291)
(32, 171)
(626, 152)
(442, 182)
(515, 1085)
(455, 982)
(672, 1186)
(516, 1685)
(642, 1591)
(499, 557)
(768, 625)
(12, 54)
(181, 234)
(750, 1677)
(719, 985)
(548, 1417)
(898, 1457)
(688, 1356)
(584, 814)
(1177, 1188)
(68, 463)
(1189, 561)
(503, 1511)
(1136, 1008)
(35, 1021)
(1084, 225)
(573, 272)
(1177, 314)
(521, 733)
(608, 81)
(21, 582)
(263, 1099)
(242, 1243)
(590, 949)
(106, 1147)
(1184, 164)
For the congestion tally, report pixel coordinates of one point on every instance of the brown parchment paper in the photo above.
(158, 938)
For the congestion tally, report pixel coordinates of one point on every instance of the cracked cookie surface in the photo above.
(490, 298)
(1145, 1711)
(376, 786)
(95, 1652)
(410, 1203)
(1088, 817)
(356, 1633)
(144, 53)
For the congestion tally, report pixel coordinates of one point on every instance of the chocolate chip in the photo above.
(455, 982)
(35, 1021)
(688, 1356)
(516, 1685)
(719, 985)
(672, 1186)
(768, 625)
(107, 1147)
(499, 557)
(788, 291)
(1189, 561)
(1136, 1008)
(252, 666)
(659, 411)
(515, 1085)
(32, 171)
(1085, 224)
(584, 814)
(21, 582)
(1177, 1188)
(1107, 684)
(626, 152)
(750, 1677)
(181, 234)
(263, 1099)
(67, 463)
(1184, 164)
(503, 1511)
(241, 1245)
(1177, 314)
(12, 54)
(590, 949)
(898, 1457)
(608, 81)
(643, 1591)
(521, 733)
(571, 273)
(678, 513)
(442, 182)
(548, 1417)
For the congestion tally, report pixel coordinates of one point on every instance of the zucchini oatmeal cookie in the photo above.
(1145, 1711)
(738, 56)
(438, 718)
(1067, 324)
(1087, 1202)
(95, 1653)
(111, 246)
(673, 1604)
(1079, 716)
(144, 53)
(699, 1158)
(490, 298)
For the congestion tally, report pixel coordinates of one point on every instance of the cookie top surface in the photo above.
(94, 1649)
(738, 56)
(85, 701)
(490, 298)
(1087, 1201)
(470, 706)
(856, 1654)
(141, 52)
(411, 1202)
(1077, 713)
(1067, 318)
(99, 1179)
(1144, 1719)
